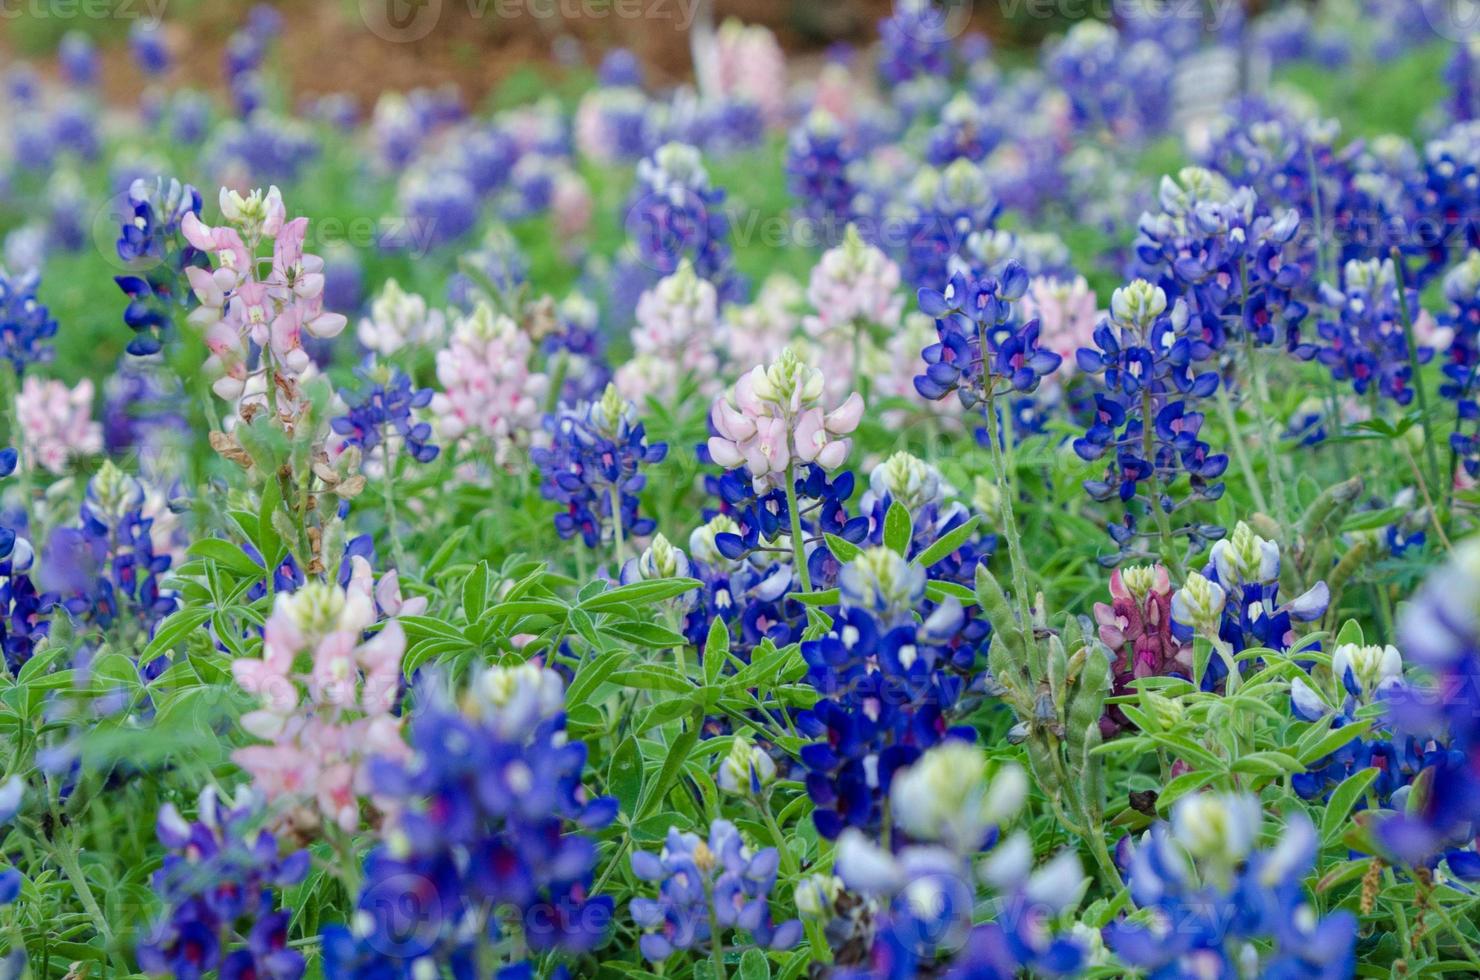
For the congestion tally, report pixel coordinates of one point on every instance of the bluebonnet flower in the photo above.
(941, 211)
(749, 593)
(578, 341)
(24, 612)
(967, 129)
(146, 40)
(1210, 892)
(915, 41)
(439, 204)
(890, 688)
(1462, 360)
(382, 414)
(150, 242)
(1447, 198)
(1235, 602)
(982, 351)
(1147, 356)
(496, 263)
(1440, 634)
(1123, 89)
(78, 56)
(1219, 251)
(593, 466)
(1362, 325)
(619, 66)
(674, 213)
(489, 815)
(105, 569)
(219, 887)
(25, 324)
(270, 148)
(1359, 675)
(922, 896)
(720, 881)
(819, 154)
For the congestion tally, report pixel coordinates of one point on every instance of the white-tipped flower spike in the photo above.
(1199, 603)
(747, 770)
(817, 896)
(774, 418)
(851, 285)
(512, 700)
(1218, 830)
(701, 541)
(1137, 304)
(11, 793)
(1244, 557)
(947, 796)
(1366, 670)
(883, 582)
(909, 480)
(399, 320)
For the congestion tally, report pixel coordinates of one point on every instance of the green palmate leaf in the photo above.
(652, 677)
(444, 552)
(898, 528)
(827, 597)
(624, 775)
(673, 762)
(1181, 785)
(645, 635)
(639, 593)
(227, 555)
(948, 542)
(716, 650)
(173, 631)
(843, 550)
(527, 607)
(1343, 799)
(938, 590)
(417, 627)
(475, 592)
(1267, 763)
(754, 965)
(593, 672)
(584, 625)
(1319, 743)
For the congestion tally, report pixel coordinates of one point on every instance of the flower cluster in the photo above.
(381, 416)
(489, 391)
(55, 424)
(1210, 893)
(242, 311)
(326, 697)
(818, 157)
(106, 570)
(774, 417)
(151, 244)
(675, 214)
(707, 885)
(1146, 356)
(888, 690)
(593, 466)
(675, 334)
(218, 887)
(487, 813)
(952, 806)
(25, 323)
(1365, 328)
(400, 321)
(1137, 628)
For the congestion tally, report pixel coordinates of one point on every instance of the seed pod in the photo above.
(994, 603)
(1331, 506)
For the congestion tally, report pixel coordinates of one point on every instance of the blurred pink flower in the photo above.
(1067, 314)
(676, 333)
(748, 64)
(56, 423)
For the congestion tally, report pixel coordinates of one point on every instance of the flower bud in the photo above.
(817, 895)
(747, 770)
(1137, 304)
(1199, 603)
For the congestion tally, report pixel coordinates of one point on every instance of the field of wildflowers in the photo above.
(945, 512)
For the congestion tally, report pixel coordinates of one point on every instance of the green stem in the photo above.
(716, 944)
(1240, 451)
(618, 550)
(1163, 522)
(1430, 454)
(388, 486)
(821, 952)
(1008, 519)
(798, 550)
